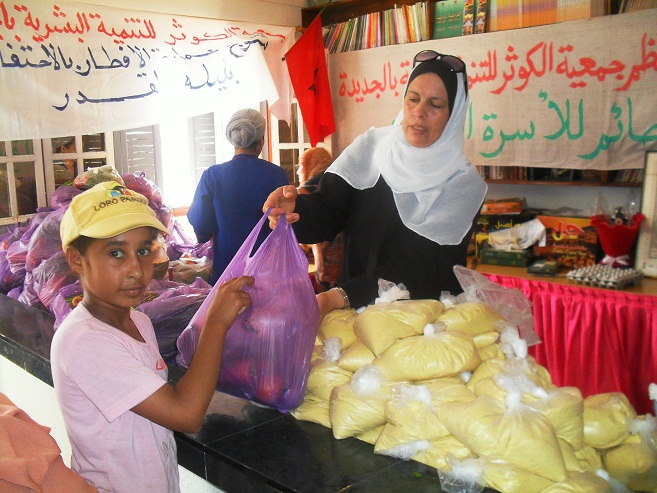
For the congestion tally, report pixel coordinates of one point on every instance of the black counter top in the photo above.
(242, 447)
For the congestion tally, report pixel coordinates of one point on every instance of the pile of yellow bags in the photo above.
(440, 385)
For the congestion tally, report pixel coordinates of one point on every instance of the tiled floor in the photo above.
(191, 483)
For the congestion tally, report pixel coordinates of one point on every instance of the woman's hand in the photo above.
(283, 200)
(329, 300)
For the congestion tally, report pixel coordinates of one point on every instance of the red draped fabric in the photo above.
(593, 339)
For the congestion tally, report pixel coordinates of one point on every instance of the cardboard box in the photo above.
(514, 258)
(514, 205)
(546, 268)
(494, 222)
(571, 241)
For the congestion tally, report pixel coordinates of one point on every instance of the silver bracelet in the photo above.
(345, 298)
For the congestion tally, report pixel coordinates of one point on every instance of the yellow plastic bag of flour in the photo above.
(448, 390)
(410, 417)
(473, 318)
(428, 356)
(486, 339)
(634, 461)
(436, 455)
(338, 323)
(589, 458)
(606, 419)
(581, 482)
(509, 431)
(359, 406)
(314, 409)
(370, 436)
(564, 409)
(356, 356)
(383, 324)
(510, 478)
(493, 351)
(324, 376)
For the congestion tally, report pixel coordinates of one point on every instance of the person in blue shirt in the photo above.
(228, 199)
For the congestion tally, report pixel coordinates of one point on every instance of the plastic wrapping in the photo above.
(268, 348)
(171, 305)
(511, 303)
(94, 176)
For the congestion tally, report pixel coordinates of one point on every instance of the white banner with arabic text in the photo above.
(69, 69)
(580, 94)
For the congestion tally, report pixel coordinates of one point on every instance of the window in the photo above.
(139, 151)
(290, 141)
(21, 180)
(66, 157)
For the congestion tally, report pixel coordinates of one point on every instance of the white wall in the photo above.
(37, 399)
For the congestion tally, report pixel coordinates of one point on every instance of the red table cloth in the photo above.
(593, 339)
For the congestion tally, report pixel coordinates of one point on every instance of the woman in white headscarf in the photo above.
(405, 195)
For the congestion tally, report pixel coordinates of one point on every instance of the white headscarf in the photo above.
(437, 191)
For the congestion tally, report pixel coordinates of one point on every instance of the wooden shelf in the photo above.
(348, 9)
(574, 183)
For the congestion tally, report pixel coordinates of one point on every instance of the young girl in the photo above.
(109, 378)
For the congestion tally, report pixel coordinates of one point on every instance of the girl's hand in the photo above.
(229, 301)
(282, 201)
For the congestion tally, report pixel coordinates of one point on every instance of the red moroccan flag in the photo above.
(306, 64)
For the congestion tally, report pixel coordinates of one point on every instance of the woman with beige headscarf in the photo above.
(229, 196)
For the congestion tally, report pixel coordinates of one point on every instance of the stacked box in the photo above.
(515, 205)
(570, 241)
(514, 258)
(494, 222)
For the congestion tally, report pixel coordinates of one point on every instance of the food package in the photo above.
(569, 458)
(370, 436)
(606, 419)
(634, 461)
(492, 351)
(473, 318)
(410, 417)
(436, 455)
(383, 324)
(512, 432)
(486, 339)
(589, 458)
(314, 409)
(356, 356)
(338, 323)
(353, 414)
(359, 406)
(564, 408)
(94, 176)
(447, 390)
(267, 352)
(428, 356)
(510, 478)
(324, 376)
(581, 482)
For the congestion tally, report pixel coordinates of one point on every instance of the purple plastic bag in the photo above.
(171, 309)
(266, 356)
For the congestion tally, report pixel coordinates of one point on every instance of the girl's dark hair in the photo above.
(81, 243)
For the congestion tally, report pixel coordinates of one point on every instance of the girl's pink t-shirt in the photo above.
(100, 374)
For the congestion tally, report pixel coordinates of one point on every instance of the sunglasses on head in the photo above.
(449, 61)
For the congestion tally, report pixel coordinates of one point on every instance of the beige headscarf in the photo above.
(437, 191)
